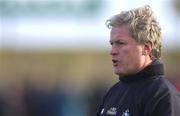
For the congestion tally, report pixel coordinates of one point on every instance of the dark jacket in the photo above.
(146, 93)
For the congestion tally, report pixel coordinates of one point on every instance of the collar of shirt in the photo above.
(155, 69)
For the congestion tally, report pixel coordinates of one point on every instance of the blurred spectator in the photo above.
(1, 107)
(176, 82)
(74, 104)
(95, 98)
(43, 103)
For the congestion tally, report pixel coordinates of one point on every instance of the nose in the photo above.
(114, 50)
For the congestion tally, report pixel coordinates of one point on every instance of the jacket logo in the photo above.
(102, 111)
(112, 111)
(126, 113)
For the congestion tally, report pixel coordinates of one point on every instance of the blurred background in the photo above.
(54, 54)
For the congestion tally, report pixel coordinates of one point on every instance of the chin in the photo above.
(117, 72)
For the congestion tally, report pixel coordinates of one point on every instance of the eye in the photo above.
(111, 43)
(121, 43)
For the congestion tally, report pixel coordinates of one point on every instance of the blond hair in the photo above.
(142, 25)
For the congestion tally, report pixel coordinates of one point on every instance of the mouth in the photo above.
(115, 62)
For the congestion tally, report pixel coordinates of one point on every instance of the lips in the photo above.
(115, 62)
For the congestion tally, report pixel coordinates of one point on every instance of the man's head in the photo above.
(135, 40)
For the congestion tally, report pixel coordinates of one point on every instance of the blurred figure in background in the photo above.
(143, 89)
(95, 95)
(1, 107)
(176, 82)
(43, 103)
(39, 101)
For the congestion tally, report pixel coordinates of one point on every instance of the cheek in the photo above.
(134, 59)
(131, 57)
(127, 55)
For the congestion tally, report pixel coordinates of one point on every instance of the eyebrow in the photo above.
(116, 41)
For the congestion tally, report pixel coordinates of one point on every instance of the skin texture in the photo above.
(128, 56)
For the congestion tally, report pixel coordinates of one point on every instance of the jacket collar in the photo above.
(156, 68)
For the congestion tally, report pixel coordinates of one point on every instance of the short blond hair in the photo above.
(142, 25)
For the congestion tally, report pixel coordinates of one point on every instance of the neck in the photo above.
(147, 61)
(155, 68)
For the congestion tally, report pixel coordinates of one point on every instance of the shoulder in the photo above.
(162, 97)
(159, 87)
(114, 92)
(113, 89)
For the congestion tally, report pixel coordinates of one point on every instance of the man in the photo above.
(136, 51)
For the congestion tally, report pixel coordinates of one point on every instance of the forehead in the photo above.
(121, 32)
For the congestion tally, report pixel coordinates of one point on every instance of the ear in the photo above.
(147, 49)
